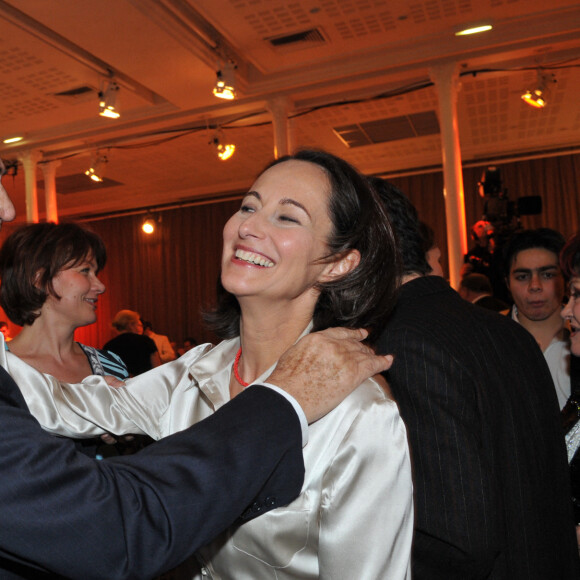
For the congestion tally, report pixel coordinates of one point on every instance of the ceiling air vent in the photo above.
(79, 182)
(304, 39)
(385, 130)
(81, 94)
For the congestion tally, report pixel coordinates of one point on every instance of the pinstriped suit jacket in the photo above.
(492, 496)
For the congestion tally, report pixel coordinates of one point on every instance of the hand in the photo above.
(108, 439)
(111, 439)
(322, 368)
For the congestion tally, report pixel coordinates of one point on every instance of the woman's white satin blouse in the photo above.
(354, 516)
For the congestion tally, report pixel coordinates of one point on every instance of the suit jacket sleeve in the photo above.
(136, 516)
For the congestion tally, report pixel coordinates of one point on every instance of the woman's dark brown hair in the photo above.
(362, 298)
(32, 256)
(570, 257)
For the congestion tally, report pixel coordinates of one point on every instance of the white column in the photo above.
(29, 161)
(49, 173)
(280, 107)
(446, 79)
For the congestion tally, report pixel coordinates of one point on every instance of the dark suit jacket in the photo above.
(136, 516)
(490, 468)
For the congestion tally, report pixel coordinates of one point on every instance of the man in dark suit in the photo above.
(492, 493)
(63, 514)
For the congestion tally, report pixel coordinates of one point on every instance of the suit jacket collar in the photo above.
(423, 286)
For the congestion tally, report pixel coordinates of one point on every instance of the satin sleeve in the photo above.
(91, 408)
(366, 525)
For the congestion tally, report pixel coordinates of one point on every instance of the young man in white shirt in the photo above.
(537, 286)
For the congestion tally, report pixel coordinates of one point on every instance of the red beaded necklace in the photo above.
(236, 372)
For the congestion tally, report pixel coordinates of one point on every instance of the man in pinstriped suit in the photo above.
(491, 483)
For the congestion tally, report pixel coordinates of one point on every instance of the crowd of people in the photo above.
(453, 453)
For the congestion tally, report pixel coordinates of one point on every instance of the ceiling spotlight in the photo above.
(108, 106)
(225, 86)
(97, 168)
(224, 150)
(536, 97)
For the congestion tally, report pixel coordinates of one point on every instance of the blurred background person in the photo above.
(479, 258)
(164, 348)
(432, 251)
(536, 284)
(138, 352)
(476, 288)
(188, 343)
(485, 257)
(5, 331)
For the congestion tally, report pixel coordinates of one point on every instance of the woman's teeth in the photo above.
(253, 258)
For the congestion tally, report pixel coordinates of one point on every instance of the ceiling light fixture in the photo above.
(536, 97)
(474, 29)
(150, 223)
(97, 168)
(108, 105)
(225, 86)
(9, 140)
(148, 226)
(224, 150)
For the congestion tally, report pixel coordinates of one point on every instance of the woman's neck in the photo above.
(44, 338)
(265, 334)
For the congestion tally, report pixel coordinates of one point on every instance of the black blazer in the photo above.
(137, 516)
(489, 460)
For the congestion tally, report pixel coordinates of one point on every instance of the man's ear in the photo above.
(342, 266)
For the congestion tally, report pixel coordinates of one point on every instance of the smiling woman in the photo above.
(309, 248)
(50, 287)
(570, 263)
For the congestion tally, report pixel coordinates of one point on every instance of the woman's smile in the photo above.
(253, 258)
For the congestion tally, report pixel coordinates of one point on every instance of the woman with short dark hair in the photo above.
(309, 248)
(50, 287)
(570, 265)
